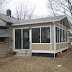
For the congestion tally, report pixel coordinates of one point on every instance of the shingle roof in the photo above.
(40, 20)
(8, 19)
(15, 21)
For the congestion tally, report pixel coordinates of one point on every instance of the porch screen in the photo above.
(45, 35)
(18, 39)
(57, 35)
(66, 37)
(35, 35)
(64, 34)
(61, 35)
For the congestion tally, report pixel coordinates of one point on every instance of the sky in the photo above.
(39, 5)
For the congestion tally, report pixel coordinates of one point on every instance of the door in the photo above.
(25, 38)
(22, 39)
(17, 38)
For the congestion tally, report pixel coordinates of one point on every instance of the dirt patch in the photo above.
(38, 64)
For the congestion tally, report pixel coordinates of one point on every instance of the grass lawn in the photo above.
(36, 64)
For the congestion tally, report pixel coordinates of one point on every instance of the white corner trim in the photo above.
(54, 39)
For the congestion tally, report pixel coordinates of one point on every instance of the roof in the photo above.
(15, 21)
(40, 20)
(4, 33)
(8, 19)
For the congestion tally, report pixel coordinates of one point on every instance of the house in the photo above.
(6, 34)
(36, 36)
(70, 38)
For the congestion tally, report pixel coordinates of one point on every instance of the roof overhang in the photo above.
(44, 20)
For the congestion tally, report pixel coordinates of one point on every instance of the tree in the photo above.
(3, 3)
(24, 11)
(57, 7)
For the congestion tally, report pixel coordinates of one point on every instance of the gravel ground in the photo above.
(36, 64)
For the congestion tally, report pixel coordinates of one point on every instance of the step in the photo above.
(24, 53)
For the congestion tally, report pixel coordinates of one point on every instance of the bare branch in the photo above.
(24, 12)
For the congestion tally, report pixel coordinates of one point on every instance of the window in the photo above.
(41, 35)
(35, 35)
(45, 35)
(61, 35)
(57, 35)
(64, 35)
(25, 38)
(2, 39)
(63, 23)
(18, 39)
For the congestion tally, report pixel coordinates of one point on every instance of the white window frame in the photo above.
(62, 35)
(40, 34)
(21, 39)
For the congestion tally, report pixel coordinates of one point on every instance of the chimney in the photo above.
(8, 12)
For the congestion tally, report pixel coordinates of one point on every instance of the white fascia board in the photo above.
(33, 23)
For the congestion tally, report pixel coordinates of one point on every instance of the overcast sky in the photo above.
(40, 6)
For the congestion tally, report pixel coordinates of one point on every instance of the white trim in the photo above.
(21, 38)
(40, 34)
(41, 26)
(22, 28)
(59, 36)
(50, 38)
(30, 38)
(61, 49)
(40, 43)
(48, 51)
(42, 51)
(67, 38)
(62, 42)
(54, 38)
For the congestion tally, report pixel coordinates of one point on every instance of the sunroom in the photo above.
(41, 36)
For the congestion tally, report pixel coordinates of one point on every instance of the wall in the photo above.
(62, 45)
(49, 46)
(4, 48)
(2, 22)
(11, 38)
(69, 40)
(8, 44)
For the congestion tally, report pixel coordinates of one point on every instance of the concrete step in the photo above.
(24, 53)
